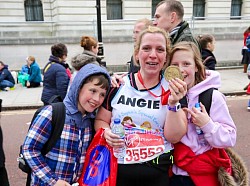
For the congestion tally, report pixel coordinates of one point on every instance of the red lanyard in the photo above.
(164, 94)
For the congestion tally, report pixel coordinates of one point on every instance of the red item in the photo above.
(248, 89)
(68, 72)
(100, 167)
(164, 94)
(203, 168)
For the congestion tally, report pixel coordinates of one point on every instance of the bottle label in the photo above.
(142, 147)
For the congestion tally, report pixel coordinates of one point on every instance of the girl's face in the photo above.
(211, 45)
(91, 97)
(152, 53)
(184, 59)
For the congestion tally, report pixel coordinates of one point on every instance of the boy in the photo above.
(64, 163)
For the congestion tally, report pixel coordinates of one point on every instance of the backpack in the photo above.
(248, 41)
(58, 120)
(205, 98)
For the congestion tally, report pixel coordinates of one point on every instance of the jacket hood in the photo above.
(240, 175)
(82, 59)
(71, 99)
(212, 80)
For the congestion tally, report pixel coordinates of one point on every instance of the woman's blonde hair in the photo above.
(151, 30)
(200, 75)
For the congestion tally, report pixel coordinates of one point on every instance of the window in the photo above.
(33, 10)
(236, 9)
(114, 9)
(199, 9)
(154, 4)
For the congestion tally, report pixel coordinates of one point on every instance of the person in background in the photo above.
(248, 87)
(218, 127)
(142, 98)
(25, 68)
(63, 165)
(207, 43)
(140, 25)
(90, 46)
(3, 172)
(245, 54)
(6, 79)
(56, 79)
(35, 77)
(79, 60)
(169, 16)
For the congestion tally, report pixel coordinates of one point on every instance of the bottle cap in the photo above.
(117, 120)
(197, 105)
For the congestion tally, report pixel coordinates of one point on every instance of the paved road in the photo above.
(232, 80)
(14, 125)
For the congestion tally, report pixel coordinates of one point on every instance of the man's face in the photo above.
(162, 18)
(137, 29)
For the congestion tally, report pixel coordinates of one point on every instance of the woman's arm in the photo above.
(103, 120)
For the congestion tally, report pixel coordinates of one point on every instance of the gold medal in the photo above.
(172, 72)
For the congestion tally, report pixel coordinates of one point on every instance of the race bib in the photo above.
(143, 147)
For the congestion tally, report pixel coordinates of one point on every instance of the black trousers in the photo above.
(178, 180)
(146, 174)
(4, 181)
(142, 175)
(4, 177)
(34, 84)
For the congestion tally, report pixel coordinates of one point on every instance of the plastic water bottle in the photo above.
(201, 139)
(118, 129)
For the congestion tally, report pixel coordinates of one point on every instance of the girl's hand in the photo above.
(199, 118)
(178, 89)
(112, 139)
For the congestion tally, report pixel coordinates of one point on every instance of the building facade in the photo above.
(43, 22)
(71, 18)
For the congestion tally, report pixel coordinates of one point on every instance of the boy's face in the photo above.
(91, 97)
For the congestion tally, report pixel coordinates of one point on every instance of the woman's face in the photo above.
(184, 59)
(152, 53)
(95, 49)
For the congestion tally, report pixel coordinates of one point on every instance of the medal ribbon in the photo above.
(164, 94)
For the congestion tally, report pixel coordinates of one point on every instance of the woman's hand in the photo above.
(116, 80)
(178, 89)
(199, 118)
(112, 139)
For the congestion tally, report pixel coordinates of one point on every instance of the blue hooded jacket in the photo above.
(6, 75)
(71, 99)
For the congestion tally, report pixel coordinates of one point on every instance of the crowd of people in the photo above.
(93, 99)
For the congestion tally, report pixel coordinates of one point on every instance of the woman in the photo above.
(218, 128)
(56, 79)
(35, 77)
(207, 43)
(90, 46)
(141, 97)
